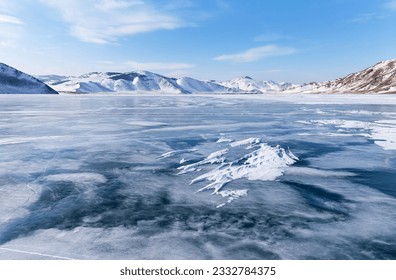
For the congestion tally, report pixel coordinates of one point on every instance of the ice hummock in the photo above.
(266, 163)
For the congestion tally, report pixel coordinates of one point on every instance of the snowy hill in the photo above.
(142, 81)
(380, 78)
(17, 82)
(247, 84)
(193, 85)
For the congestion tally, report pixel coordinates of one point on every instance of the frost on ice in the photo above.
(383, 132)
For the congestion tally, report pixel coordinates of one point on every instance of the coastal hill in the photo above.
(15, 81)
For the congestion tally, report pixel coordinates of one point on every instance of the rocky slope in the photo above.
(380, 78)
(13, 81)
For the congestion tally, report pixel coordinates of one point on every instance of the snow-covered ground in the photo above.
(198, 177)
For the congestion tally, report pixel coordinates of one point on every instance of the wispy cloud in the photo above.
(10, 29)
(390, 5)
(223, 4)
(375, 16)
(256, 54)
(105, 21)
(362, 18)
(10, 19)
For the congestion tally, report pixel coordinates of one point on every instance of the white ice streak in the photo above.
(223, 139)
(266, 163)
(307, 171)
(251, 141)
(216, 157)
(383, 132)
(78, 178)
(231, 195)
(176, 152)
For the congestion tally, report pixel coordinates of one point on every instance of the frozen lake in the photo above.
(198, 177)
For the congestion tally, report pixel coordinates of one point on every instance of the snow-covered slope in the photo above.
(193, 85)
(142, 81)
(247, 84)
(17, 82)
(380, 78)
(145, 81)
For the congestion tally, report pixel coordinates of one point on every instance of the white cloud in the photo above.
(9, 19)
(116, 4)
(256, 54)
(367, 17)
(391, 5)
(362, 18)
(10, 29)
(105, 21)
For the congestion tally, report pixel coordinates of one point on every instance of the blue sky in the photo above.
(282, 40)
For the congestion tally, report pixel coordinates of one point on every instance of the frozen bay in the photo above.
(198, 177)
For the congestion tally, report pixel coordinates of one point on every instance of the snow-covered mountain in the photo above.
(15, 81)
(193, 85)
(247, 84)
(142, 81)
(380, 78)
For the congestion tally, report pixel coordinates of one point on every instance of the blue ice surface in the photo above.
(84, 177)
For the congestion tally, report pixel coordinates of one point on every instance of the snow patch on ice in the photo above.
(307, 171)
(383, 132)
(223, 139)
(251, 141)
(177, 152)
(231, 195)
(216, 157)
(265, 163)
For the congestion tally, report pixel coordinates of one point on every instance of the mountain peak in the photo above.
(247, 78)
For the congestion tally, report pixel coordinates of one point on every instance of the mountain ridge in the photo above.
(146, 81)
(14, 81)
(378, 78)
